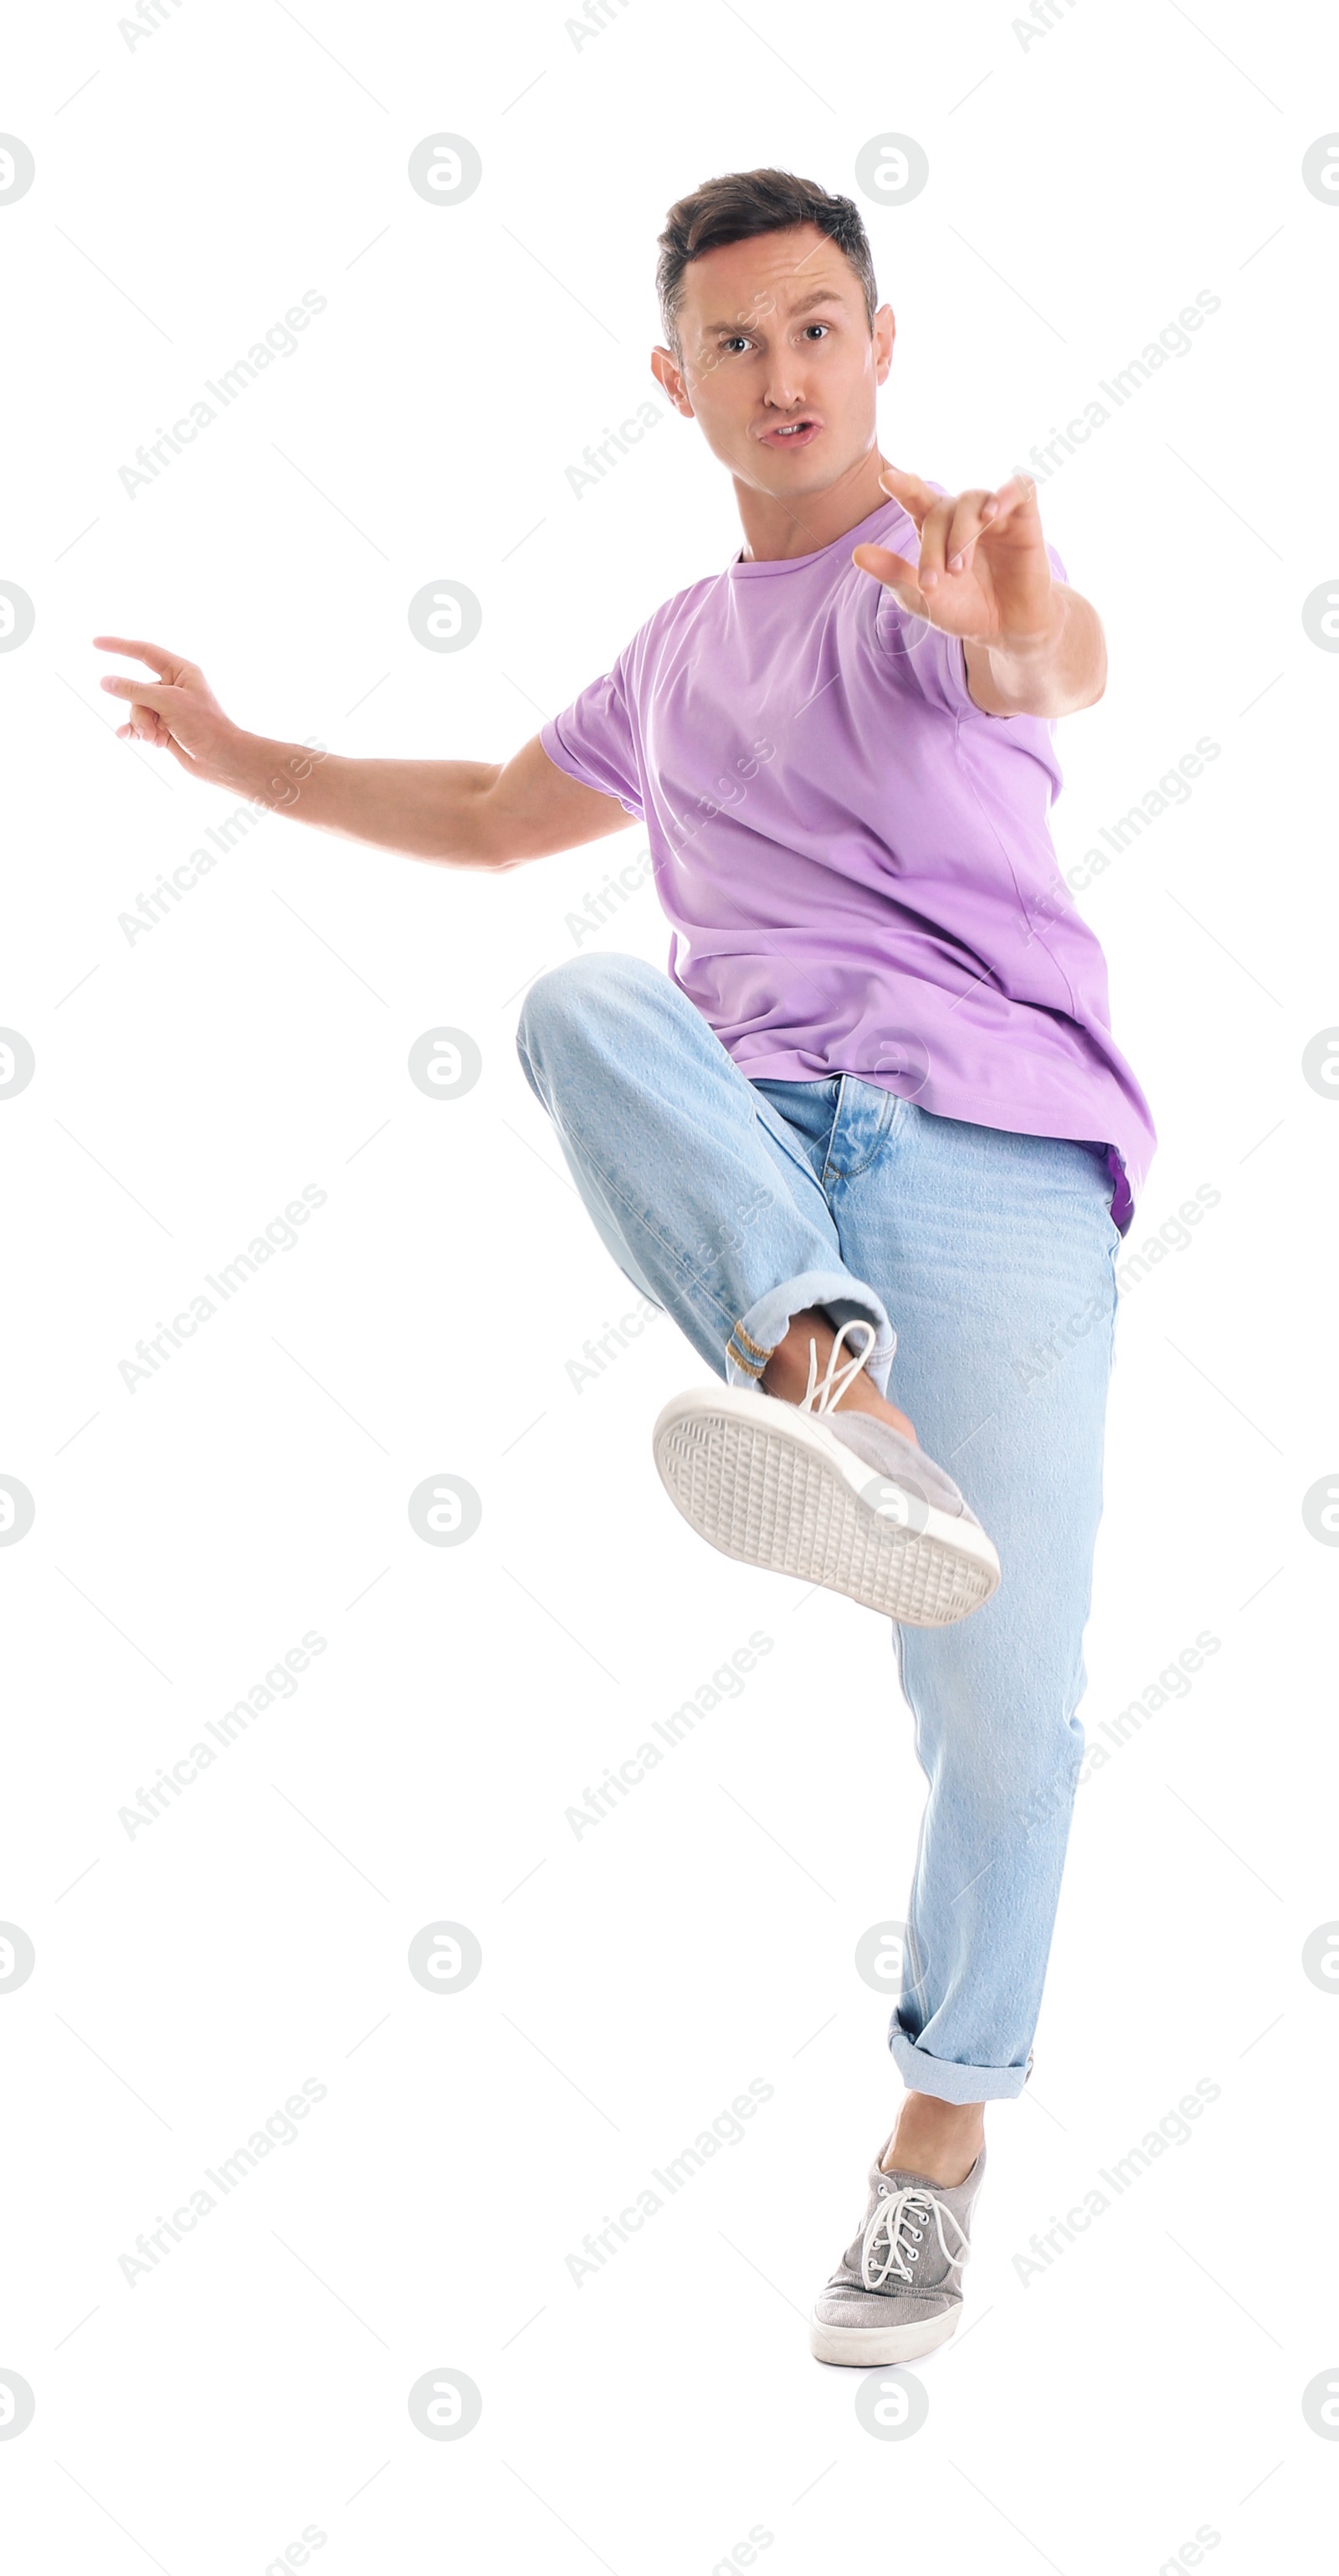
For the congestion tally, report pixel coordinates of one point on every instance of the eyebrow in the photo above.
(819, 295)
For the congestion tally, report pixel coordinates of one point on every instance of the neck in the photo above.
(777, 529)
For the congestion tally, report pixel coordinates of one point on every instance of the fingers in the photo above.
(915, 496)
(950, 531)
(167, 665)
(1015, 497)
(949, 524)
(144, 692)
(973, 513)
(893, 570)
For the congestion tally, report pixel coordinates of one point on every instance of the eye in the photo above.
(735, 341)
(818, 326)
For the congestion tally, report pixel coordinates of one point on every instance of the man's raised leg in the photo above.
(706, 1200)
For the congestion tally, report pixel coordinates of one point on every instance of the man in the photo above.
(877, 1086)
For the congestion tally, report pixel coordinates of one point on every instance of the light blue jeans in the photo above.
(736, 1205)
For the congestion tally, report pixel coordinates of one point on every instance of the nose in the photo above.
(784, 389)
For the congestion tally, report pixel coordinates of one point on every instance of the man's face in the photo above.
(777, 360)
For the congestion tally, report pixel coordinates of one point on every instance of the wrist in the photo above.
(1031, 646)
(267, 771)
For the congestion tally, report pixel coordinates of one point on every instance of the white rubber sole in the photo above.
(771, 1486)
(866, 2347)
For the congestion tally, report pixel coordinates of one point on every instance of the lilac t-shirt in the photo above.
(855, 859)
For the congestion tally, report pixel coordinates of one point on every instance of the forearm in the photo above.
(425, 809)
(1049, 674)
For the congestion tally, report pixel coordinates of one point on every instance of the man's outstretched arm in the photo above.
(467, 813)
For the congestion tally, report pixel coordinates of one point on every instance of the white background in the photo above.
(1083, 187)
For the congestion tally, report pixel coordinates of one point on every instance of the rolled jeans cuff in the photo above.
(767, 1321)
(948, 2082)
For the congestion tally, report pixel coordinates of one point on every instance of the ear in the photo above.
(885, 332)
(669, 376)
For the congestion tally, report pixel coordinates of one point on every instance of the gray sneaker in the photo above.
(896, 2292)
(838, 1499)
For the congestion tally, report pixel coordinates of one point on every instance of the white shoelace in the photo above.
(836, 1380)
(893, 2234)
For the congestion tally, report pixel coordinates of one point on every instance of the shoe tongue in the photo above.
(885, 2185)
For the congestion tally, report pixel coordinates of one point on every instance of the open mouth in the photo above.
(798, 433)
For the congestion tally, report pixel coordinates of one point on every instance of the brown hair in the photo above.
(741, 205)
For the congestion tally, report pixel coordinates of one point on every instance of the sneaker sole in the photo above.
(860, 2347)
(766, 1484)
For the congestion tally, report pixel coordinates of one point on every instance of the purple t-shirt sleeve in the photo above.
(593, 741)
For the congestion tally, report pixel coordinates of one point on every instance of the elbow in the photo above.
(485, 842)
